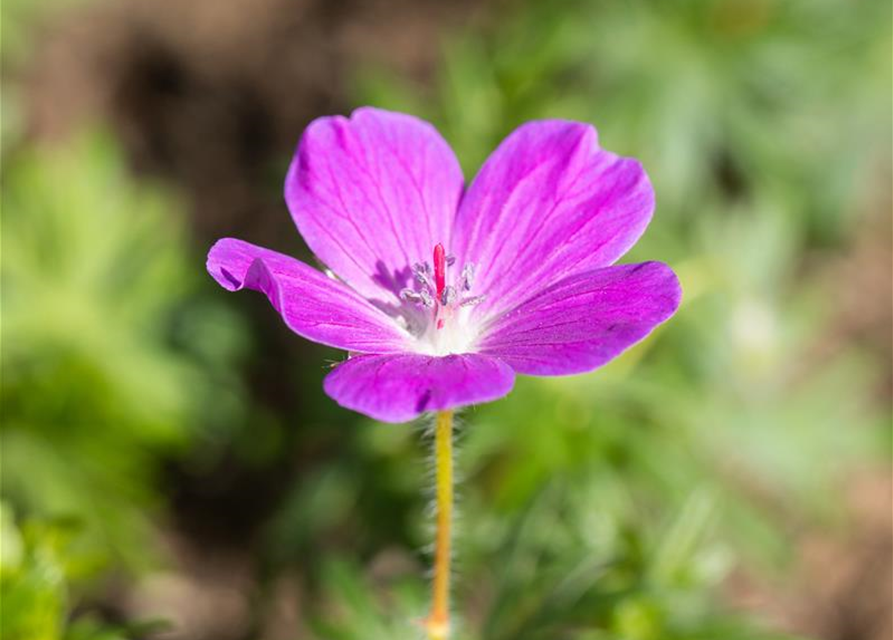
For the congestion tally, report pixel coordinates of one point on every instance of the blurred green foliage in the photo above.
(110, 359)
(37, 562)
(561, 570)
(20, 18)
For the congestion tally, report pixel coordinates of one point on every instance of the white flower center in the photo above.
(441, 320)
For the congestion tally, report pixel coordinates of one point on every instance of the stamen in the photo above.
(410, 295)
(443, 329)
(439, 269)
(427, 300)
(422, 298)
(422, 273)
(467, 277)
(438, 319)
(448, 296)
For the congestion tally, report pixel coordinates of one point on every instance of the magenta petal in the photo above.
(585, 320)
(372, 195)
(397, 388)
(312, 305)
(548, 203)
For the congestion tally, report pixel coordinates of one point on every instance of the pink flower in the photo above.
(441, 294)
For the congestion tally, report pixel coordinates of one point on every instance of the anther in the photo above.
(410, 295)
(422, 298)
(427, 300)
(467, 276)
(450, 260)
(422, 273)
(448, 296)
(472, 301)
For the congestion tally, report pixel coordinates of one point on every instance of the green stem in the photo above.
(438, 622)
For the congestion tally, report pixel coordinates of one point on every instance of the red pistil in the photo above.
(439, 269)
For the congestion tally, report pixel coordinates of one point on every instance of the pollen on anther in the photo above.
(408, 294)
(448, 296)
(467, 276)
(422, 273)
(471, 301)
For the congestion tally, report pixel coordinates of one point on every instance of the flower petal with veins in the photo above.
(312, 304)
(584, 321)
(397, 388)
(522, 278)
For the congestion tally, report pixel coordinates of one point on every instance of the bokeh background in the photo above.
(170, 465)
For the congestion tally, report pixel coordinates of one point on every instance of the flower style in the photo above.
(441, 294)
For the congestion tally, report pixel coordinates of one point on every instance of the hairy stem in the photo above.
(438, 622)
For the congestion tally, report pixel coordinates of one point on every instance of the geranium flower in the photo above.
(441, 294)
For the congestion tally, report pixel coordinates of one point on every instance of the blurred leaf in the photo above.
(97, 381)
(34, 584)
